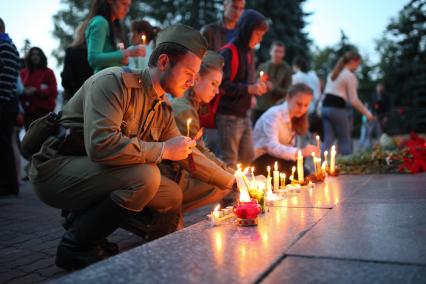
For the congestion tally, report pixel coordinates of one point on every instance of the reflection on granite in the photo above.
(395, 188)
(318, 270)
(222, 254)
(325, 194)
(377, 232)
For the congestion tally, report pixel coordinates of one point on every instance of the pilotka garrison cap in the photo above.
(186, 36)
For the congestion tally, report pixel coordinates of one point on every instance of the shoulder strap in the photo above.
(235, 62)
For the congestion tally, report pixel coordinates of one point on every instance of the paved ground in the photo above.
(30, 232)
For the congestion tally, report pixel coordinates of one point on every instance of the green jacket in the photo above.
(100, 51)
(124, 122)
(280, 76)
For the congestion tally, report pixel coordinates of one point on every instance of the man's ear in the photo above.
(162, 62)
(197, 78)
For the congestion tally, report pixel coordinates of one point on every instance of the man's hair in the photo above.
(277, 43)
(173, 50)
(2, 26)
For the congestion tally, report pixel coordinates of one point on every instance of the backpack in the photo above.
(208, 111)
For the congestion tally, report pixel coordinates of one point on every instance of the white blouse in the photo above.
(273, 134)
(345, 86)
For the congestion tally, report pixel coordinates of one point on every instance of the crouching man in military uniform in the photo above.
(117, 130)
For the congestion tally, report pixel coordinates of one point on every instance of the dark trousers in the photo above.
(284, 166)
(8, 178)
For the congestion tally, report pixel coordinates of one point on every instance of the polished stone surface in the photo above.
(317, 270)
(378, 232)
(325, 194)
(201, 253)
(399, 188)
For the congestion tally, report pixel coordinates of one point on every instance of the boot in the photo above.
(150, 224)
(79, 246)
(71, 215)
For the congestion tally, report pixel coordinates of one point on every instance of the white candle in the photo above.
(188, 123)
(282, 176)
(276, 176)
(318, 143)
(326, 159)
(300, 172)
(268, 179)
(215, 215)
(332, 159)
(324, 167)
(314, 161)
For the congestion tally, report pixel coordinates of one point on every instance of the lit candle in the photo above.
(300, 173)
(319, 143)
(324, 167)
(314, 161)
(215, 215)
(326, 159)
(261, 75)
(276, 176)
(332, 159)
(293, 170)
(318, 165)
(268, 180)
(188, 123)
(143, 37)
(282, 176)
(252, 173)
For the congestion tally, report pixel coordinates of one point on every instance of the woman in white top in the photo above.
(275, 132)
(340, 96)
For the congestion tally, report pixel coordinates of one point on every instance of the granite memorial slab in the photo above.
(225, 253)
(375, 232)
(397, 188)
(324, 194)
(322, 270)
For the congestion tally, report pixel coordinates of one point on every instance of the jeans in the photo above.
(235, 139)
(337, 123)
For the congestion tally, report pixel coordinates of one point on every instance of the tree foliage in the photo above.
(403, 65)
(287, 23)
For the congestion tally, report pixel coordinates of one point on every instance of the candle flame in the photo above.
(276, 166)
(261, 74)
(333, 148)
(252, 169)
(313, 154)
(325, 153)
(293, 169)
(143, 39)
(189, 120)
(268, 168)
(217, 208)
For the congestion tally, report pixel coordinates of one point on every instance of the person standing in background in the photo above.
(9, 72)
(238, 87)
(76, 67)
(103, 28)
(141, 32)
(220, 33)
(277, 73)
(340, 96)
(303, 74)
(40, 88)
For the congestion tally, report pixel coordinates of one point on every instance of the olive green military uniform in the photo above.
(123, 122)
(197, 193)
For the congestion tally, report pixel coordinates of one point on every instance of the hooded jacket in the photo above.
(236, 99)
